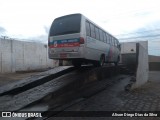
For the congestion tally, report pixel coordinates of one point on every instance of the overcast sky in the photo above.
(31, 19)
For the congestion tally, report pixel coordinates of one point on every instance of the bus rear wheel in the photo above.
(76, 63)
(116, 63)
(101, 62)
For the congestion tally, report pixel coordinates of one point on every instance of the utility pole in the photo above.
(4, 37)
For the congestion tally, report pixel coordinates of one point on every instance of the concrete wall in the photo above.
(142, 68)
(130, 47)
(129, 53)
(22, 56)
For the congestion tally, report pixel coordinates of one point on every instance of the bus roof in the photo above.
(87, 20)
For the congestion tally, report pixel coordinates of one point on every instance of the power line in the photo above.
(138, 32)
(158, 35)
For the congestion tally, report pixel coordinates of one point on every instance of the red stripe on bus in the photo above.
(64, 45)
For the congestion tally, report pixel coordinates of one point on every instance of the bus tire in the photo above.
(99, 63)
(102, 60)
(76, 63)
(116, 63)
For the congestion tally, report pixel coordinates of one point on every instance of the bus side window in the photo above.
(104, 36)
(101, 35)
(88, 30)
(116, 43)
(93, 35)
(110, 40)
(97, 33)
(107, 38)
(113, 41)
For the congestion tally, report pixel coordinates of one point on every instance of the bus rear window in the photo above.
(66, 25)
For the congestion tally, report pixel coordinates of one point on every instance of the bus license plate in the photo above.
(63, 55)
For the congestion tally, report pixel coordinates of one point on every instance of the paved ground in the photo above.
(115, 98)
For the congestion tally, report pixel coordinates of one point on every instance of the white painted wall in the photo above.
(126, 47)
(22, 56)
(130, 47)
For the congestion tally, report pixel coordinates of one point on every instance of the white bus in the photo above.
(76, 38)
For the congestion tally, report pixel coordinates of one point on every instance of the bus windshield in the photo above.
(66, 25)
